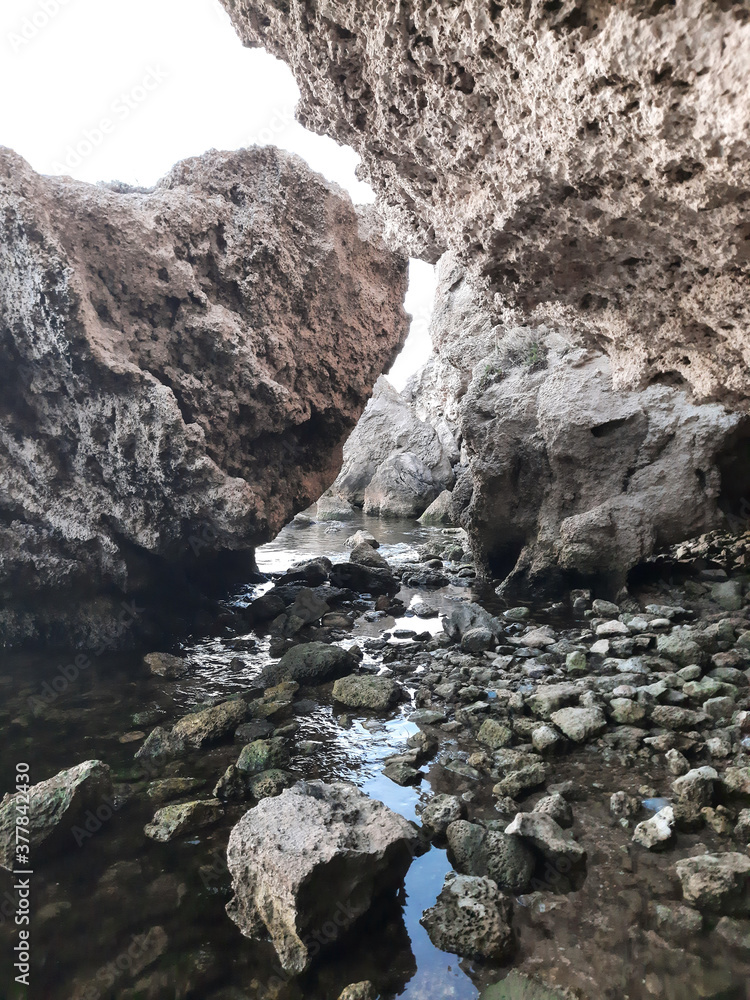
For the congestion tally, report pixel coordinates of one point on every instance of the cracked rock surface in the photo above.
(180, 369)
(587, 160)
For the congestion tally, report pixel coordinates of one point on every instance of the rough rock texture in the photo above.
(52, 808)
(313, 856)
(392, 443)
(586, 167)
(587, 159)
(179, 370)
(471, 918)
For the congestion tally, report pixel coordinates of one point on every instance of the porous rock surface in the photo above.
(587, 160)
(315, 855)
(568, 477)
(179, 369)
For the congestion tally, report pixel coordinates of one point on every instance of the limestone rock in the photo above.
(316, 853)
(657, 832)
(436, 100)
(470, 918)
(504, 859)
(180, 369)
(361, 691)
(388, 429)
(403, 486)
(717, 883)
(310, 663)
(543, 833)
(580, 724)
(579, 462)
(173, 820)
(441, 811)
(53, 807)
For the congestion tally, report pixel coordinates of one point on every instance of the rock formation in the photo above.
(586, 167)
(180, 369)
(396, 462)
(587, 160)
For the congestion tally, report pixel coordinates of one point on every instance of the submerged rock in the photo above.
(165, 665)
(52, 809)
(173, 820)
(197, 389)
(471, 918)
(316, 854)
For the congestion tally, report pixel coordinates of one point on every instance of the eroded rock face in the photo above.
(568, 478)
(179, 369)
(588, 161)
(396, 462)
(313, 856)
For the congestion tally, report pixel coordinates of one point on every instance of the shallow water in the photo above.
(90, 902)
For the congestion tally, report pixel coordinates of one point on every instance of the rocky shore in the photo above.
(589, 765)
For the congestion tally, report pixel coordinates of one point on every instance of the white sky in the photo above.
(106, 90)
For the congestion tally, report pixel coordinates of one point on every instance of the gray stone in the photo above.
(297, 858)
(717, 883)
(478, 851)
(470, 918)
(557, 807)
(53, 807)
(364, 691)
(441, 811)
(310, 663)
(580, 724)
(544, 834)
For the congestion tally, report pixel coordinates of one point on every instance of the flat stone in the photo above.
(580, 724)
(165, 665)
(173, 820)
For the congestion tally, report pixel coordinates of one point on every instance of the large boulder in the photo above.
(315, 855)
(388, 430)
(403, 486)
(52, 809)
(179, 370)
